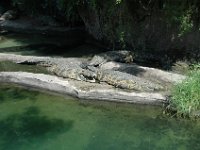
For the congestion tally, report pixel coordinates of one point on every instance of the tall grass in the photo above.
(186, 95)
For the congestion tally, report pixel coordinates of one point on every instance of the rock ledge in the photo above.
(70, 87)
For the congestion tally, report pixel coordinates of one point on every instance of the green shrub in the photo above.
(64, 8)
(186, 95)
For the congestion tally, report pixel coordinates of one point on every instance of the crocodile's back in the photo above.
(127, 81)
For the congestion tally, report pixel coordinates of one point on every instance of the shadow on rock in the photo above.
(133, 70)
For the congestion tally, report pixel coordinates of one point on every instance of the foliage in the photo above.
(186, 23)
(125, 22)
(114, 20)
(68, 7)
(186, 95)
(180, 13)
(112, 14)
(195, 67)
(53, 8)
(29, 6)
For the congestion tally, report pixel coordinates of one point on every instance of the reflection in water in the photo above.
(31, 120)
(13, 67)
(41, 45)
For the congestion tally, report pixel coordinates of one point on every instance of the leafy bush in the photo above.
(68, 8)
(64, 8)
(186, 95)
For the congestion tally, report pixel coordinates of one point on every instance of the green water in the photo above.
(13, 67)
(30, 120)
(40, 45)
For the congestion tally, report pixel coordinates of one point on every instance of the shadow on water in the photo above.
(24, 128)
(16, 94)
(83, 50)
(41, 45)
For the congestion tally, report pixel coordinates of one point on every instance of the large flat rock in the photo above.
(81, 89)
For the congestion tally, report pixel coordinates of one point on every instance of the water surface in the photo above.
(31, 120)
(41, 45)
(6, 66)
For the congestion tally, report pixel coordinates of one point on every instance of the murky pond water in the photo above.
(41, 45)
(31, 120)
(13, 67)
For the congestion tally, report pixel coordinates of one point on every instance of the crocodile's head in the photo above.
(127, 56)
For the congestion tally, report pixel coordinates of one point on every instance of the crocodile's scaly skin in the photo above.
(75, 69)
(126, 81)
(118, 56)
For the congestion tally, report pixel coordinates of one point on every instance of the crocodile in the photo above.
(66, 68)
(75, 69)
(116, 78)
(118, 56)
(124, 80)
(73, 72)
(78, 69)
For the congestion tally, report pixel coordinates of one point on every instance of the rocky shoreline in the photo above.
(73, 84)
(89, 91)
